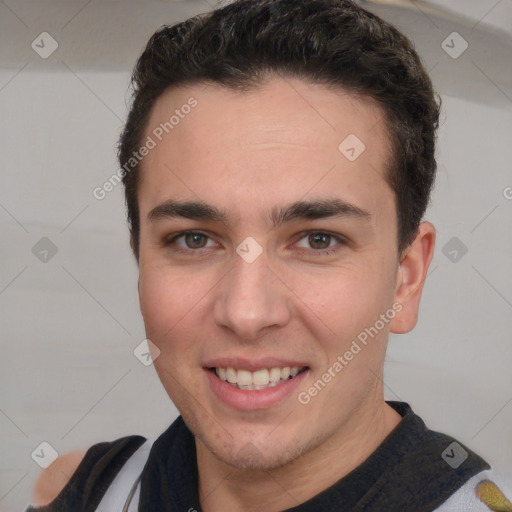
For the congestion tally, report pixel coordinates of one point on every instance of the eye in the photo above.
(323, 239)
(193, 241)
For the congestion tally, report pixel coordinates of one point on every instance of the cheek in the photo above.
(343, 300)
(155, 295)
(170, 320)
(166, 301)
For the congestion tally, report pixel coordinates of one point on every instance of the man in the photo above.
(278, 160)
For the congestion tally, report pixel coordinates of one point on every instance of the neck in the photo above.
(222, 487)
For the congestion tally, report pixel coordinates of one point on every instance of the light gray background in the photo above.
(69, 326)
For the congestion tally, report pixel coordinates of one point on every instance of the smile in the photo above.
(262, 388)
(259, 379)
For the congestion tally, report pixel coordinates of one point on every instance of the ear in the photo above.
(412, 272)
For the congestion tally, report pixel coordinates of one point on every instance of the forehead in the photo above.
(279, 141)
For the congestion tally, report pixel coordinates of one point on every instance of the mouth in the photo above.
(258, 380)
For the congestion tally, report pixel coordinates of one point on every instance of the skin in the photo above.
(53, 479)
(247, 152)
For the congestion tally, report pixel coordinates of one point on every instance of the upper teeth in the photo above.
(260, 378)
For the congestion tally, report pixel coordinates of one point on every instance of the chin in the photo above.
(248, 456)
(248, 448)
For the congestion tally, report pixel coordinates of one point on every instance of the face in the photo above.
(248, 286)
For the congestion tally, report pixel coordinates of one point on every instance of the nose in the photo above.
(251, 299)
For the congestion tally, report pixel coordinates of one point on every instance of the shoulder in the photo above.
(62, 486)
(486, 491)
(433, 469)
(53, 479)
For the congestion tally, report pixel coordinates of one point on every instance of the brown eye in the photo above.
(193, 240)
(319, 243)
(319, 238)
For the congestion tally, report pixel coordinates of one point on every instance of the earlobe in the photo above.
(411, 277)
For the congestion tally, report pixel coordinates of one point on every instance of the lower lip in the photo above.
(252, 400)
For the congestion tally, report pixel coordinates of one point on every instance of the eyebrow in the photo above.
(299, 210)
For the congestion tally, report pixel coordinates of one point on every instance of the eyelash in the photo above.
(169, 241)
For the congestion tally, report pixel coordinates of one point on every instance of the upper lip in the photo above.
(252, 365)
